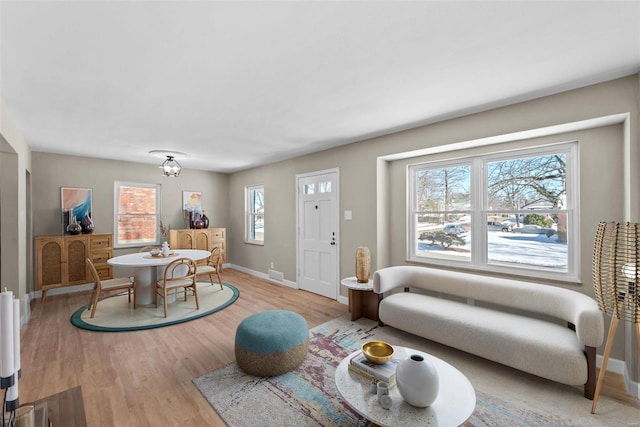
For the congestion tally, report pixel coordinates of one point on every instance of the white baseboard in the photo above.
(619, 367)
(613, 365)
(264, 276)
(63, 290)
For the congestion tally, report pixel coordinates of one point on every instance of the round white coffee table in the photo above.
(455, 403)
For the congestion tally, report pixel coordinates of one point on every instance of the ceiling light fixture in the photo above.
(170, 167)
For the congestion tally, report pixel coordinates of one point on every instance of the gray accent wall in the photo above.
(53, 171)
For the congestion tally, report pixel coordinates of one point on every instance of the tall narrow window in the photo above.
(254, 208)
(137, 214)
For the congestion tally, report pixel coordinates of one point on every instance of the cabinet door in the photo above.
(77, 251)
(185, 239)
(49, 262)
(202, 239)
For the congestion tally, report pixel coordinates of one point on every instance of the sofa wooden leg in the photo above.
(590, 385)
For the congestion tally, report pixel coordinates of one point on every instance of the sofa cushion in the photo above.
(564, 304)
(536, 346)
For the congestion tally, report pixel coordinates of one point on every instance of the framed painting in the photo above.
(77, 202)
(191, 202)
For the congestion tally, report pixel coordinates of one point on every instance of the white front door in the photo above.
(318, 232)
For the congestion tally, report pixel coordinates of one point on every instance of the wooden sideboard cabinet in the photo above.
(200, 238)
(61, 260)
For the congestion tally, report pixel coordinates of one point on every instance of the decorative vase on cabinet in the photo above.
(87, 225)
(205, 220)
(417, 381)
(73, 228)
(198, 223)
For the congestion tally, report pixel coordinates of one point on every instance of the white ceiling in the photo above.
(241, 84)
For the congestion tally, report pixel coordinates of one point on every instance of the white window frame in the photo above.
(479, 209)
(250, 214)
(116, 213)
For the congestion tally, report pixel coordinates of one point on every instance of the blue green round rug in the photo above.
(115, 314)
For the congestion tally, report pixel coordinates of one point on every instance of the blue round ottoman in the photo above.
(271, 343)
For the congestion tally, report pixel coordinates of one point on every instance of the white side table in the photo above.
(362, 300)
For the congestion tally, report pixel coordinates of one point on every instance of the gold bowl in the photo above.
(377, 351)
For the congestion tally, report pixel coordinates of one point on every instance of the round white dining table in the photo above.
(148, 269)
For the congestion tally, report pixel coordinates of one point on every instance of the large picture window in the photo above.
(254, 207)
(514, 212)
(137, 214)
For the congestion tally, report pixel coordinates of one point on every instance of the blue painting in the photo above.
(77, 201)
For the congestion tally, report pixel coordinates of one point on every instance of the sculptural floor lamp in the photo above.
(616, 282)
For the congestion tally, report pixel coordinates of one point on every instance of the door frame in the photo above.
(337, 219)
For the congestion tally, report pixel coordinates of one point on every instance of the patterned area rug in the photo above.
(308, 396)
(115, 314)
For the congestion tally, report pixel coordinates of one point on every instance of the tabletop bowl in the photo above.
(155, 252)
(378, 352)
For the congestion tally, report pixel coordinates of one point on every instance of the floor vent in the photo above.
(276, 275)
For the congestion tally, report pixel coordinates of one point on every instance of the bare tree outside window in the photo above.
(521, 220)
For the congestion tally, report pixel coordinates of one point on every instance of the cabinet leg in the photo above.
(44, 295)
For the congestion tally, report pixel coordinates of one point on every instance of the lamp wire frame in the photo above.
(616, 270)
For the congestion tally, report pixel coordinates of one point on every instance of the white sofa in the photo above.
(544, 330)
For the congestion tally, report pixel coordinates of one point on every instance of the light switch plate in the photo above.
(347, 215)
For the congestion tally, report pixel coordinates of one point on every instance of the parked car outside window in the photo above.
(453, 229)
(501, 226)
(534, 229)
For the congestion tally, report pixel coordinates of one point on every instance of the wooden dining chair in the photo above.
(213, 267)
(110, 285)
(180, 273)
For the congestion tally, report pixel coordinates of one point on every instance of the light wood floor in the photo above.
(144, 378)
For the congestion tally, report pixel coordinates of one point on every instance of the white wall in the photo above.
(15, 242)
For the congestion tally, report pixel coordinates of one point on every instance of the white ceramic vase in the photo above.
(417, 381)
(165, 248)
